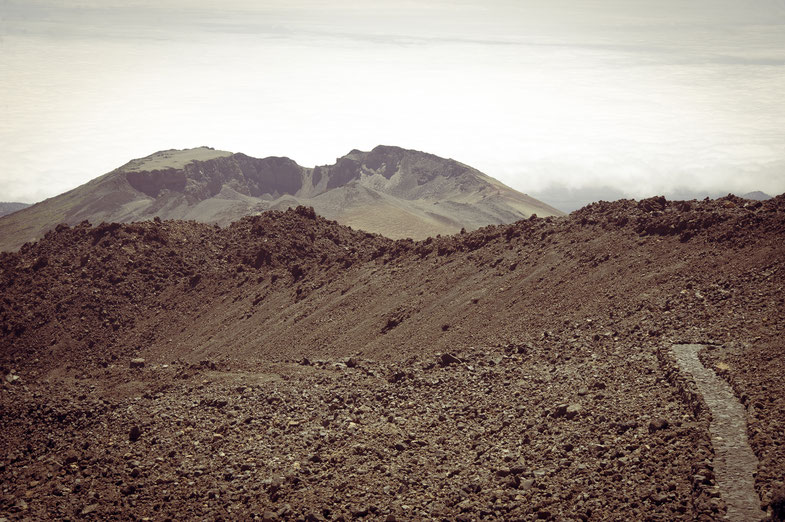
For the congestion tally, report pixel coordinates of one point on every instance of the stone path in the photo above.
(735, 464)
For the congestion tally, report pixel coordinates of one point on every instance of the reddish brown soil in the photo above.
(293, 369)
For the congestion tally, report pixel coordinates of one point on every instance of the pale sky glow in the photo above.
(639, 97)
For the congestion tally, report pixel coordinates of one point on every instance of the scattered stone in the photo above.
(503, 472)
(777, 504)
(396, 377)
(135, 433)
(137, 363)
(568, 411)
(346, 441)
(572, 411)
(447, 359)
(658, 424)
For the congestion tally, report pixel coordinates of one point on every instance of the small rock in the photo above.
(135, 433)
(137, 363)
(396, 377)
(447, 359)
(572, 411)
(92, 508)
(777, 504)
(285, 511)
(657, 424)
(275, 484)
(269, 516)
(360, 512)
(569, 411)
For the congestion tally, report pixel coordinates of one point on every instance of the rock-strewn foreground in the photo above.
(296, 369)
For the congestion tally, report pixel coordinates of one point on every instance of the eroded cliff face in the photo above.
(279, 176)
(153, 182)
(204, 179)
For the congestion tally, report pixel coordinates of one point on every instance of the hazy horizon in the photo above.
(636, 97)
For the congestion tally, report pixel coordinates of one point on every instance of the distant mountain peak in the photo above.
(756, 195)
(9, 207)
(390, 190)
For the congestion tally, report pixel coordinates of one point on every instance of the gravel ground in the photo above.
(287, 367)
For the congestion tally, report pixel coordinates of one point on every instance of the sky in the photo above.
(626, 98)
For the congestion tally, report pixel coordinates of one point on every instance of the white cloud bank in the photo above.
(640, 97)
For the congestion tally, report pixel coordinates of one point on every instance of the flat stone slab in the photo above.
(735, 465)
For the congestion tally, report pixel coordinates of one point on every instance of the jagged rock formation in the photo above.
(392, 191)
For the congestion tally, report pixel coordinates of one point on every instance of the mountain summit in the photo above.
(391, 191)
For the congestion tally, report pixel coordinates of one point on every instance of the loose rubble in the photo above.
(297, 369)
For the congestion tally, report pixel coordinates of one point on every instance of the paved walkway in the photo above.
(734, 462)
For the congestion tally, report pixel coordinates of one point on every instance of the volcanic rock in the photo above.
(293, 438)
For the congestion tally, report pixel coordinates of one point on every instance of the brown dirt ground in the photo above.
(298, 369)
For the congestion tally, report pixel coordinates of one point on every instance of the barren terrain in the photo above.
(288, 367)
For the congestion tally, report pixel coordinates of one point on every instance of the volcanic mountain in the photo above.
(392, 191)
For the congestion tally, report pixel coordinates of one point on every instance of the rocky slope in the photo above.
(297, 369)
(396, 192)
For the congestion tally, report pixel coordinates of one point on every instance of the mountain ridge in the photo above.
(389, 190)
(9, 207)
